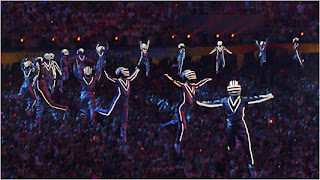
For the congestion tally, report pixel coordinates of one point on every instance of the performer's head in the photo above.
(294, 40)
(144, 47)
(181, 45)
(80, 51)
(262, 43)
(219, 43)
(48, 56)
(122, 72)
(87, 71)
(65, 52)
(234, 88)
(189, 75)
(101, 49)
(27, 62)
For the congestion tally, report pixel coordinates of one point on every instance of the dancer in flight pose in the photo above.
(121, 100)
(64, 65)
(297, 55)
(220, 55)
(236, 125)
(144, 56)
(181, 57)
(183, 108)
(28, 69)
(263, 50)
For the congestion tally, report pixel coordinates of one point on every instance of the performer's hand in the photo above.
(271, 95)
(209, 79)
(166, 75)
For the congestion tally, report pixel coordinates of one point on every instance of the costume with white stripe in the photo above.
(121, 100)
(42, 92)
(144, 56)
(263, 50)
(181, 57)
(183, 108)
(220, 55)
(81, 61)
(29, 73)
(297, 55)
(101, 51)
(236, 125)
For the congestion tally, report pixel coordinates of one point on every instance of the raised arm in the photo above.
(258, 99)
(202, 82)
(213, 50)
(210, 104)
(227, 50)
(267, 41)
(140, 43)
(257, 43)
(109, 77)
(176, 83)
(148, 43)
(21, 65)
(134, 74)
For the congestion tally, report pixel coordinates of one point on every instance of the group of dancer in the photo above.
(40, 80)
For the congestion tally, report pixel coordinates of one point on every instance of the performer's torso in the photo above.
(234, 108)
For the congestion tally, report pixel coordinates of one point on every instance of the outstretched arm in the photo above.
(90, 60)
(257, 43)
(213, 50)
(258, 99)
(210, 104)
(134, 74)
(109, 77)
(227, 50)
(202, 82)
(176, 83)
(148, 43)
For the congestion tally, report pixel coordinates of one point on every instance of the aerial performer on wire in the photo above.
(220, 55)
(101, 51)
(144, 56)
(81, 61)
(297, 55)
(64, 65)
(42, 92)
(263, 50)
(28, 69)
(181, 57)
(236, 125)
(52, 67)
(188, 90)
(121, 100)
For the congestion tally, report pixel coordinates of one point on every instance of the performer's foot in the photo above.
(177, 148)
(253, 173)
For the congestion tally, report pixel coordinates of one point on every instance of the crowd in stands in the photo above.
(284, 131)
(134, 21)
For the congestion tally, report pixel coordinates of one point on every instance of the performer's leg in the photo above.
(223, 61)
(261, 60)
(231, 139)
(217, 64)
(146, 62)
(39, 111)
(31, 102)
(92, 107)
(124, 122)
(181, 128)
(22, 92)
(108, 112)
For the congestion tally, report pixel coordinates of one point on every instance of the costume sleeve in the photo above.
(202, 82)
(134, 74)
(257, 99)
(210, 104)
(176, 83)
(109, 77)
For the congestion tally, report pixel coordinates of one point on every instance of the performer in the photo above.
(88, 91)
(28, 69)
(182, 55)
(144, 56)
(41, 90)
(121, 99)
(101, 51)
(183, 108)
(297, 55)
(220, 55)
(65, 65)
(51, 66)
(236, 125)
(81, 61)
(263, 51)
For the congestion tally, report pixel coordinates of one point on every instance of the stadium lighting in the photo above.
(78, 39)
(188, 36)
(218, 35)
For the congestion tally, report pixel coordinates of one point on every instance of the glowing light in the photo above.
(218, 35)
(21, 40)
(173, 36)
(204, 115)
(142, 148)
(10, 76)
(116, 38)
(200, 150)
(302, 33)
(232, 35)
(271, 121)
(78, 39)
(14, 115)
(101, 85)
(53, 39)
(188, 36)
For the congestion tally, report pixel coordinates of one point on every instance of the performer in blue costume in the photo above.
(181, 57)
(236, 125)
(220, 55)
(144, 56)
(64, 65)
(183, 108)
(81, 61)
(121, 100)
(28, 69)
(263, 50)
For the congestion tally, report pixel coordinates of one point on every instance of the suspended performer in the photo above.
(220, 55)
(52, 67)
(188, 90)
(263, 50)
(101, 51)
(28, 69)
(81, 61)
(236, 125)
(144, 56)
(181, 57)
(42, 92)
(121, 100)
(297, 55)
(64, 65)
